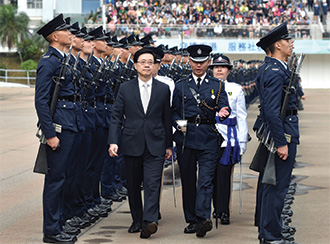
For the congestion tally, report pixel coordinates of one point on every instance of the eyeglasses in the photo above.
(143, 62)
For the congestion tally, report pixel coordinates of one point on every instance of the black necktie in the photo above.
(199, 80)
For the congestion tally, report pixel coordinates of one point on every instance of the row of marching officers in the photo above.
(93, 91)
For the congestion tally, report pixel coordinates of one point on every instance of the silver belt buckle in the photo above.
(198, 120)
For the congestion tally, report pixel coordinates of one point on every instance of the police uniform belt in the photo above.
(106, 100)
(290, 112)
(73, 98)
(198, 120)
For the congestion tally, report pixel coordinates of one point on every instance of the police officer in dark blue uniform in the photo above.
(196, 99)
(98, 150)
(270, 83)
(74, 172)
(57, 34)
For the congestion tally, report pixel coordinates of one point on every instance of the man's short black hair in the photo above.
(142, 51)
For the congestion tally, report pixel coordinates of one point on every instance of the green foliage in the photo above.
(29, 65)
(2, 66)
(13, 25)
(32, 48)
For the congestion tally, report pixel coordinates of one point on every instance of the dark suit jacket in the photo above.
(152, 129)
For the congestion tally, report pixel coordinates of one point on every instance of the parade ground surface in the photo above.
(21, 190)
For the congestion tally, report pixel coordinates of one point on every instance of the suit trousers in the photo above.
(272, 197)
(54, 183)
(197, 201)
(146, 168)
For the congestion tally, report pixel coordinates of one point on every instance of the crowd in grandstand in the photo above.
(250, 19)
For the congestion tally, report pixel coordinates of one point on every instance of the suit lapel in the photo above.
(153, 95)
(136, 91)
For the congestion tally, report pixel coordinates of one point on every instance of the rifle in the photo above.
(41, 163)
(269, 176)
(97, 76)
(170, 69)
(82, 76)
(121, 78)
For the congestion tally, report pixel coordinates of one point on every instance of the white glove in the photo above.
(242, 146)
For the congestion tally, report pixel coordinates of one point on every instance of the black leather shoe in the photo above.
(191, 228)
(287, 212)
(273, 242)
(289, 197)
(288, 229)
(101, 212)
(92, 212)
(115, 197)
(159, 216)
(78, 222)
(105, 207)
(135, 228)
(106, 201)
(59, 238)
(203, 227)
(288, 201)
(88, 217)
(149, 230)
(224, 219)
(122, 191)
(70, 230)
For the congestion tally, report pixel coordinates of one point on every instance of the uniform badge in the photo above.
(212, 94)
(199, 51)
(275, 69)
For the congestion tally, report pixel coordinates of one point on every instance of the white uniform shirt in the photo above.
(168, 81)
(236, 101)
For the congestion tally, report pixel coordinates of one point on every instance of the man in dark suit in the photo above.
(146, 139)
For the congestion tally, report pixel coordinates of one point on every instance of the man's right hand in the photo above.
(53, 142)
(113, 150)
(283, 152)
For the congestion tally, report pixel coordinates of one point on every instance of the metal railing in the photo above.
(211, 31)
(27, 79)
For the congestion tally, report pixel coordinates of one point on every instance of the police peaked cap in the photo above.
(278, 33)
(124, 42)
(221, 60)
(174, 50)
(109, 39)
(142, 51)
(68, 22)
(159, 54)
(132, 40)
(147, 39)
(76, 30)
(199, 53)
(55, 24)
(117, 43)
(184, 52)
(98, 33)
(86, 37)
